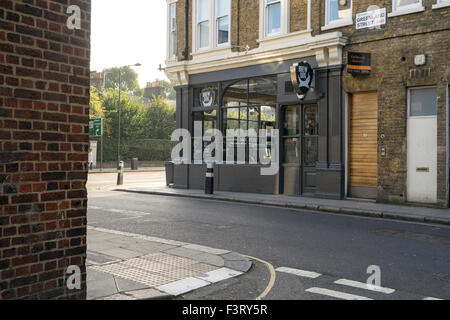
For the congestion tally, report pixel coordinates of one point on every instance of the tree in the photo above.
(95, 104)
(129, 79)
(169, 90)
(160, 119)
(145, 129)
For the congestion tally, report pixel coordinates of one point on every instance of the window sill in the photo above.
(337, 24)
(200, 52)
(440, 5)
(407, 11)
(283, 36)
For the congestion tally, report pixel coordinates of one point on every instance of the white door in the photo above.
(422, 146)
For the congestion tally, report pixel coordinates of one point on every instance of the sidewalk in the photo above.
(125, 266)
(348, 207)
(114, 170)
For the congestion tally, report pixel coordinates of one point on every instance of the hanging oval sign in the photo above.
(301, 77)
(207, 97)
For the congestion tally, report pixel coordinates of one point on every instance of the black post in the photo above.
(209, 183)
(120, 173)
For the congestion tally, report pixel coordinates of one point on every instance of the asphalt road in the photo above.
(414, 259)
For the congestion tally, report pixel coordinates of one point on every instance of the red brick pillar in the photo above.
(44, 119)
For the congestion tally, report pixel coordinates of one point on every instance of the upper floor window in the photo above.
(212, 21)
(338, 11)
(203, 23)
(441, 4)
(172, 29)
(223, 21)
(402, 5)
(273, 16)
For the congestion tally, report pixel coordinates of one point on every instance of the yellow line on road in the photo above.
(272, 277)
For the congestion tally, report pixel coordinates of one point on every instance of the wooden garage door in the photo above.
(363, 145)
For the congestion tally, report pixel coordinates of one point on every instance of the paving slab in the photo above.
(243, 266)
(183, 252)
(93, 258)
(120, 253)
(183, 286)
(206, 249)
(209, 258)
(219, 275)
(233, 256)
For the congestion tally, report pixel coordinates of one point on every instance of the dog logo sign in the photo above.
(301, 77)
(207, 97)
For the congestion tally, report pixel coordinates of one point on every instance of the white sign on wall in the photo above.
(371, 19)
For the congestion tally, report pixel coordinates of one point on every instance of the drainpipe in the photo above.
(239, 23)
(308, 26)
(186, 49)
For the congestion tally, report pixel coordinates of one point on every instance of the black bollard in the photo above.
(209, 183)
(120, 174)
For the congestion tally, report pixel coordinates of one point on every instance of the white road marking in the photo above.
(362, 285)
(336, 294)
(298, 272)
(431, 298)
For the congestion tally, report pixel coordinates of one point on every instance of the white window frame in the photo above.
(441, 4)
(284, 19)
(171, 47)
(216, 27)
(407, 9)
(336, 23)
(198, 22)
(409, 102)
(213, 28)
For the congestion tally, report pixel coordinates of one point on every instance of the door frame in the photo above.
(348, 106)
(301, 173)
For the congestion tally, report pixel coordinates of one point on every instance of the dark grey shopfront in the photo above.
(262, 97)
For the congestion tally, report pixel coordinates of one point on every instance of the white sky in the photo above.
(125, 32)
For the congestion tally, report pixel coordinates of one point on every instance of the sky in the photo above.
(126, 32)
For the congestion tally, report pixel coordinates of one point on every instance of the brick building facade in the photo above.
(361, 146)
(44, 116)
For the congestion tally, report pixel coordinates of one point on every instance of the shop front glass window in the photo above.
(247, 105)
(310, 135)
(291, 121)
(206, 120)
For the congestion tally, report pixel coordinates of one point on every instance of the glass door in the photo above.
(291, 149)
(310, 144)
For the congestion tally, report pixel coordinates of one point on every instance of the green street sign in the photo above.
(96, 127)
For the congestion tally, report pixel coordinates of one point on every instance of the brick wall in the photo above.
(44, 114)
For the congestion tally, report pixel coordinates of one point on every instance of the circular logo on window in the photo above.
(207, 97)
